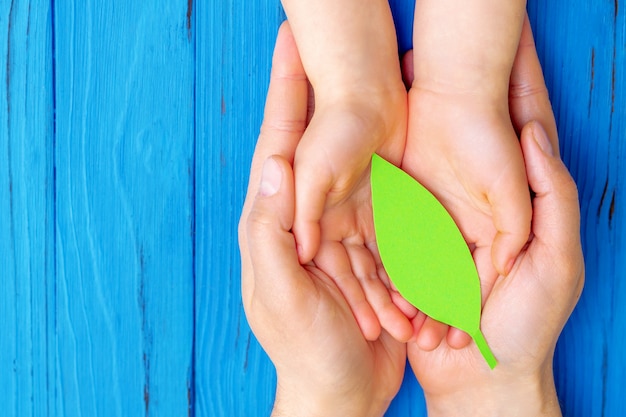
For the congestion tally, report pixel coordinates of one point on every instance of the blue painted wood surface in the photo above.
(126, 132)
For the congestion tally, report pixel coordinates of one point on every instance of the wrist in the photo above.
(464, 87)
(344, 43)
(446, 58)
(451, 110)
(307, 403)
(372, 89)
(501, 396)
(374, 117)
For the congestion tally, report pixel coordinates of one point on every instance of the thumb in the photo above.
(556, 215)
(270, 242)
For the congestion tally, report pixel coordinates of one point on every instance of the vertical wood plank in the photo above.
(26, 208)
(124, 177)
(235, 40)
(583, 51)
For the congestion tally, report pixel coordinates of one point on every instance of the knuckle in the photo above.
(567, 187)
(257, 225)
(524, 89)
(573, 271)
(289, 126)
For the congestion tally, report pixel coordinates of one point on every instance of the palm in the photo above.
(337, 353)
(347, 249)
(511, 321)
(446, 152)
(348, 253)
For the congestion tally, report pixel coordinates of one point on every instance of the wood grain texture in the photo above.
(26, 208)
(235, 42)
(583, 51)
(124, 160)
(126, 134)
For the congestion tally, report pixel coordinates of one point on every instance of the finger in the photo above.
(457, 339)
(271, 246)
(431, 334)
(286, 106)
(556, 216)
(528, 95)
(405, 307)
(511, 217)
(336, 263)
(378, 295)
(284, 119)
(312, 185)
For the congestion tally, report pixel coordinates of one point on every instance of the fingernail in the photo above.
(271, 178)
(541, 137)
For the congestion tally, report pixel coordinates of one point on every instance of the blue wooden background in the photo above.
(126, 132)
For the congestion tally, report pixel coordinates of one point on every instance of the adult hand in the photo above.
(324, 364)
(356, 117)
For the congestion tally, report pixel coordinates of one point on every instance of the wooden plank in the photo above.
(235, 40)
(583, 51)
(124, 181)
(26, 208)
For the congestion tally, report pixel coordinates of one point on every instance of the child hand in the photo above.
(464, 149)
(359, 108)
(467, 154)
(525, 313)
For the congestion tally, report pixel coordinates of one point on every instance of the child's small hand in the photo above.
(334, 154)
(465, 150)
(349, 53)
(466, 153)
(333, 224)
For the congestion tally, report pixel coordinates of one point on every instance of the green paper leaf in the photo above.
(424, 252)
